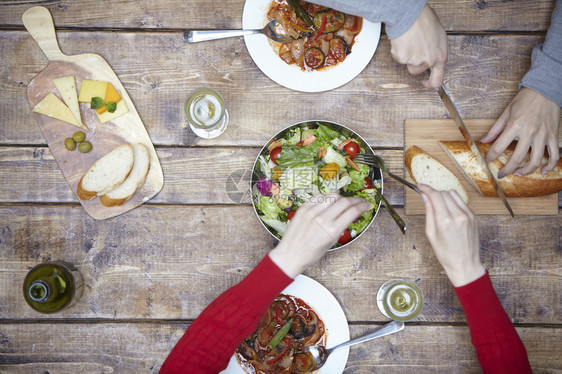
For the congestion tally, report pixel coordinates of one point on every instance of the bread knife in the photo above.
(473, 147)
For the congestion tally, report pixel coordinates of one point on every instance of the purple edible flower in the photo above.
(264, 186)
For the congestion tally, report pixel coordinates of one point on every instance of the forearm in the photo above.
(398, 15)
(212, 338)
(498, 347)
(545, 74)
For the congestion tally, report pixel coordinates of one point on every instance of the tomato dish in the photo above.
(287, 328)
(324, 37)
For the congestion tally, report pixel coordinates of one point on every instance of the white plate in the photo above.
(329, 311)
(291, 76)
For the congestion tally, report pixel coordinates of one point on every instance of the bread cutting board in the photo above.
(426, 134)
(128, 128)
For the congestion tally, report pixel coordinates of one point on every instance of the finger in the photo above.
(537, 154)
(436, 77)
(318, 203)
(497, 128)
(429, 211)
(501, 144)
(358, 206)
(417, 69)
(515, 160)
(553, 155)
(457, 205)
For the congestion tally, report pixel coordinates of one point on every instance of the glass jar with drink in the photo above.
(400, 300)
(206, 113)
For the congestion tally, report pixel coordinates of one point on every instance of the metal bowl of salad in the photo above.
(308, 159)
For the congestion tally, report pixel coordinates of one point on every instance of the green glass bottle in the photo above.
(52, 287)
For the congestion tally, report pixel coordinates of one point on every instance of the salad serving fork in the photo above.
(378, 162)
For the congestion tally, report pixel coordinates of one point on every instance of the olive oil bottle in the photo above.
(52, 287)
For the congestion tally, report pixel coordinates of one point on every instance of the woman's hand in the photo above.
(452, 231)
(316, 226)
(533, 120)
(422, 47)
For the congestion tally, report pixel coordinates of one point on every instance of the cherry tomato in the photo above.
(344, 237)
(291, 214)
(352, 149)
(368, 184)
(274, 154)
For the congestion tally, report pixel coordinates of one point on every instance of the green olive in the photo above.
(85, 147)
(70, 144)
(79, 136)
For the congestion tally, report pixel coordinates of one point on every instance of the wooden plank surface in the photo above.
(457, 15)
(142, 347)
(152, 270)
(426, 134)
(169, 262)
(483, 74)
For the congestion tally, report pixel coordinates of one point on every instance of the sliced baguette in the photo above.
(107, 173)
(134, 181)
(531, 185)
(426, 170)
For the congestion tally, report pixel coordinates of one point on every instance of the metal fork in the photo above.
(378, 162)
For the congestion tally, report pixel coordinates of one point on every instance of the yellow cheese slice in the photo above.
(119, 111)
(89, 89)
(67, 89)
(52, 106)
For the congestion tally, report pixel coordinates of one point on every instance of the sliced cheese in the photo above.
(119, 111)
(53, 107)
(67, 89)
(89, 89)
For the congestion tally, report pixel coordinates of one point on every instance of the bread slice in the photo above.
(134, 181)
(531, 185)
(106, 173)
(426, 170)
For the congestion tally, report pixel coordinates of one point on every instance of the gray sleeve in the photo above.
(397, 15)
(545, 74)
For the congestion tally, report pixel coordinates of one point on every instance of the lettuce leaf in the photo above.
(358, 177)
(270, 208)
(333, 156)
(293, 156)
(276, 225)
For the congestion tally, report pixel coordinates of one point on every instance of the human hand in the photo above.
(452, 232)
(315, 227)
(422, 47)
(533, 120)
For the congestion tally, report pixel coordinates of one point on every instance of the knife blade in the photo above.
(450, 105)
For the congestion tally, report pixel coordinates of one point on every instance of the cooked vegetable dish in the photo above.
(288, 326)
(324, 36)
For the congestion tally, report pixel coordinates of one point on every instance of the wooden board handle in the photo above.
(39, 23)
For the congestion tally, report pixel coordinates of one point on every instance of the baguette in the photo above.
(134, 181)
(106, 173)
(531, 185)
(425, 169)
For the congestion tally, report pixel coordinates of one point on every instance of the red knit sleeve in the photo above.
(498, 347)
(210, 341)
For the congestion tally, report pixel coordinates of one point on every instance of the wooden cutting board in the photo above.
(127, 128)
(426, 134)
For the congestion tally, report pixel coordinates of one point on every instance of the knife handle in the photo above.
(39, 23)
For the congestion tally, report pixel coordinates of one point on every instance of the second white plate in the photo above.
(329, 310)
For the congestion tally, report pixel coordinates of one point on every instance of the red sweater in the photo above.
(210, 341)
(497, 344)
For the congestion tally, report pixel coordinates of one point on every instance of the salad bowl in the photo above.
(307, 160)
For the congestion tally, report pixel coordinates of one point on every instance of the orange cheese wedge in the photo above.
(111, 94)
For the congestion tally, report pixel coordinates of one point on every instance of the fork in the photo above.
(377, 161)
(194, 36)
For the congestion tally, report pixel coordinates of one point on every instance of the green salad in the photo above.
(309, 161)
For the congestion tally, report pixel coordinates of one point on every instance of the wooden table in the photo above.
(151, 271)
